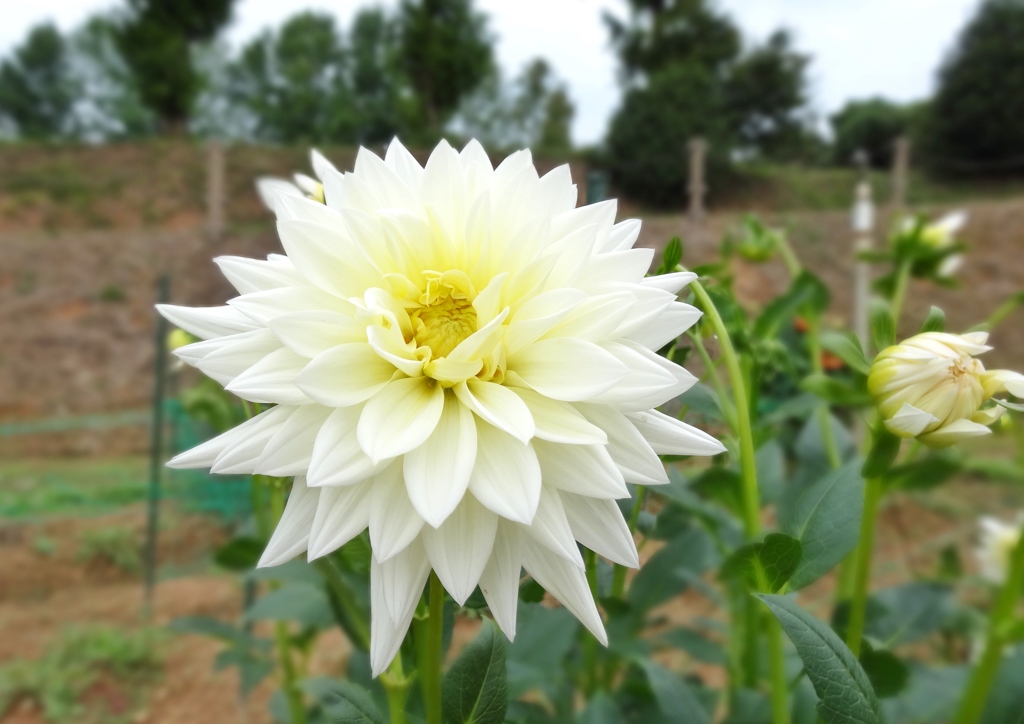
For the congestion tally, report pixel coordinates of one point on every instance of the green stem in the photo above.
(619, 574)
(980, 684)
(430, 651)
(793, 265)
(716, 379)
(1003, 311)
(748, 469)
(344, 596)
(396, 687)
(828, 437)
(777, 657)
(590, 643)
(289, 683)
(865, 548)
(900, 292)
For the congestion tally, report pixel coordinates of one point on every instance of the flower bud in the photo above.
(940, 235)
(996, 544)
(931, 387)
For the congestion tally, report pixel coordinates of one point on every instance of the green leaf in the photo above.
(931, 697)
(696, 645)
(206, 626)
(909, 612)
(935, 321)
(883, 327)
(671, 257)
(675, 697)
(475, 689)
(806, 290)
(778, 556)
(884, 449)
(601, 709)
(348, 703)
(835, 391)
(886, 671)
(239, 554)
(1013, 631)
(840, 682)
(825, 518)
(300, 602)
(770, 460)
(544, 638)
(923, 474)
(810, 447)
(665, 574)
(1006, 700)
(846, 347)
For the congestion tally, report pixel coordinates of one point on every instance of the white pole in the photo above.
(863, 222)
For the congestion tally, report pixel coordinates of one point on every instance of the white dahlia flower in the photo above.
(931, 387)
(998, 539)
(459, 359)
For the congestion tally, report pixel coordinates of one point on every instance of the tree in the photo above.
(685, 73)
(156, 40)
(37, 88)
(378, 85)
(445, 52)
(870, 125)
(975, 119)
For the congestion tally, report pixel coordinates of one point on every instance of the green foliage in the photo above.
(871, 126)
(346, 703)
(38, 89)
(116, 546)
(973, 124)
(74, 661)
(770, 563)
(445, 52)
(475, 689)
(883, 326)
(840, 682)
(674, 696)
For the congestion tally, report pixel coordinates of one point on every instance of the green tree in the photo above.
(378, 85)
(37, 88)
(445, 52)
(975, 119)
(869, 125)
(156, 40)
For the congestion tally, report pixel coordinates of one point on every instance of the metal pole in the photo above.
(696, 187)
(156, 439)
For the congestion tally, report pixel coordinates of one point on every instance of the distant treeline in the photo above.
(427, 69)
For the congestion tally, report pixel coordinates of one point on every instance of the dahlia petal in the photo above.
(289, 451)
(601, 215)
(634, 457)
(671, 283)
(644, 388)
(557, 421)
(567, 583)
(954, 432)
(499, 581)
(583, 469)
(538, 315)
(341, 515)
(324, 257)
(394, 523)
(224, 358)
(390, 189)
(669, 436)
(337, 459)
(437, 471)
(390, 345)
(488, 302)
(628, 266)
(205, 454)
(402, 580)
(292, 532)
(310, 333)
(506, 476)
(482, 342)
(650, 304)
(568, 369)
(400, 417)
(558, 192)
(256, 275)
(909, 421)
(306, 209)
(321, 166)
(241, 457)
(272, 379)
(622, 236)
(599, 525)
(668, 326)
(345, 375)
(498, 405)
(206, 322)
(594, 318)
(459, 549)
(404, 164)
(271, 190)
(550, 527)
(264, 306)
(444, 187)
(387, 632)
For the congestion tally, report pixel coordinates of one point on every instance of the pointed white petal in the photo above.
(567, 583)
(345, 375)
(459, 549)
(599, 525)
(272, 379)
(400, 417)
(634, 457)
(207, 322)
(241, 457)
(953, 433)
(671, 323)
(402, 577)
(567, 369)
(272, 189)
(559, 421)
(292, 532)
(394, 523)
(670, 282)
(650, 381)
(255, 275)
(387, 633)
(288, 452)
(550, 527)
(262, 426)
(622, 236)
(669, 436)
(583, 469)
(264, 306)
(437, 472)
(341, 515)
(224, 358)
(498, 405)
(506, 476)
(500, 580)
(337, 459)
(909, 421)
(310, 333)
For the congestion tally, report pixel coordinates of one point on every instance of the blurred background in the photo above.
(131, 134)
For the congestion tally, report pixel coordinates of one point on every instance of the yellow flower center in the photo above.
(441, 326)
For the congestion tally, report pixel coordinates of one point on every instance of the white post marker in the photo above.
(863, 223)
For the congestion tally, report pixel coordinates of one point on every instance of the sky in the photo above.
(890, 48)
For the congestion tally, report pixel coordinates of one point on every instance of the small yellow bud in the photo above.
(931, 387)
(178, 338)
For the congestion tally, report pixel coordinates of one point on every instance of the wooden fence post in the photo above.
(215, 192)
(696, 188)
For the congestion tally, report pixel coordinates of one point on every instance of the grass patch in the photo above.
(116, 546)
(89, 674)
(30, 488)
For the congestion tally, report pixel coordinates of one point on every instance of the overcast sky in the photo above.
(868, 47)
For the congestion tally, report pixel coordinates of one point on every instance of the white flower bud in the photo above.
(996, 544)
(931, 387)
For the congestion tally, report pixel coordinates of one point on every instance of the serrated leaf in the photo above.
(825, 518)
(846, 347)
(883, 327)
(475, 689)
(935, 321)
(840, 682)
(346, 703)
(675, 697)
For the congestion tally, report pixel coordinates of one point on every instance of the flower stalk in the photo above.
(396, 687)
(862, 574)
(429, 649)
